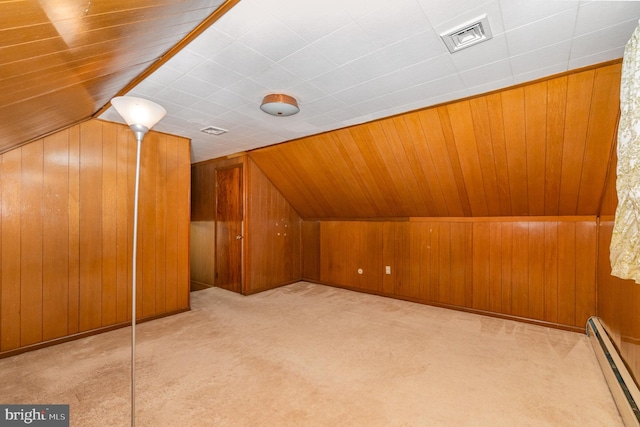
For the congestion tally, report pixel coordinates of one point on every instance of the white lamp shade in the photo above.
(138, 111)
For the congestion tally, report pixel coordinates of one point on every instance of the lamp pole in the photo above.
(141, 115)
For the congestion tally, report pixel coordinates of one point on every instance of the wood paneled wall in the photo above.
(272, 236)
(541, 269)
(618, 305)
(66, 232)
(536, 149)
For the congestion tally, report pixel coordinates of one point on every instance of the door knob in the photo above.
(238, 237)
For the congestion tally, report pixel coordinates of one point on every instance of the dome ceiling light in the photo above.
(278, 104)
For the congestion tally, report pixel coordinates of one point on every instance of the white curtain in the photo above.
(625, 242)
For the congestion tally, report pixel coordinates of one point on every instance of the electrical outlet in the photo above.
(387, 269)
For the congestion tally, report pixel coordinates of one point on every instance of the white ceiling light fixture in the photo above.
(467, 34)
(278, 104)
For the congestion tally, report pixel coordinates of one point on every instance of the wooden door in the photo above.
(229, 233)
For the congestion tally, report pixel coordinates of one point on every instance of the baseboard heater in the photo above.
(623, 388)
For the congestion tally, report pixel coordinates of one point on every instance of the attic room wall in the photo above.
(272, 229)
(65, 232)
(618, 299)
(539, 269)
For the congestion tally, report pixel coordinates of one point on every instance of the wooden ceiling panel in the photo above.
(537, 149)
(61, 62)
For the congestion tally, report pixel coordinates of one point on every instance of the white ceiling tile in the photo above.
(542, 33)
(517, 13)
(227, 98)
(491, 50)
(164, 76)
(370, 66)
(177, 97)
(440, 12)
(248, 89)
(381, 25)
(539, 73)
(319, 19)
(279, 43)
(335, 80)
(495, 71)
(195, 87)
(556, 55)
(346, 44)
(306, 92)
(355, 94)
(596, 15)
(463, 16)
(275, 78)
(584, 61)
(242, 59)
(603, 40)
(210, 108)
(185, 61)
(210, 42)
(417, 48)
(216, 74)
(307, 63)
(360, 8)
(451, 84)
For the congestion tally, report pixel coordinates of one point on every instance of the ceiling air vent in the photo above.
(212, 130)
(467, 34)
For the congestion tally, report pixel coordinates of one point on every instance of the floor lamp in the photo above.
(141, 115)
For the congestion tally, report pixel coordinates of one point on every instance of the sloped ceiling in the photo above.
(541, 149)
(61, 61)
(352, 61)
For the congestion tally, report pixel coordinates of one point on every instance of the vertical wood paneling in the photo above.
(90, 221)
(585, 289)
(109, 225)
(467, 150)
(566, 273)
(147, 225)
(31, 244)
(123, 256)
(556, 110)
(603, 117)
(161, 208)
(495, 267)
(579, 94)
(11, 249)
(506, 254)
(173, 284)
(535, 149)
(74, 230)
(515, 137)
(536, 297)
(65, 232)
(55, 236)
(535, 104)
(481, 266)
(274, 233)
(542, 269)
(551, 271)
(311, 250)
(182, 213)
(458, 262)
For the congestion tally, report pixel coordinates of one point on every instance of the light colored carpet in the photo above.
(310, 355)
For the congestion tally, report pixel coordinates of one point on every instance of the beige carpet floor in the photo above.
(310, 355)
